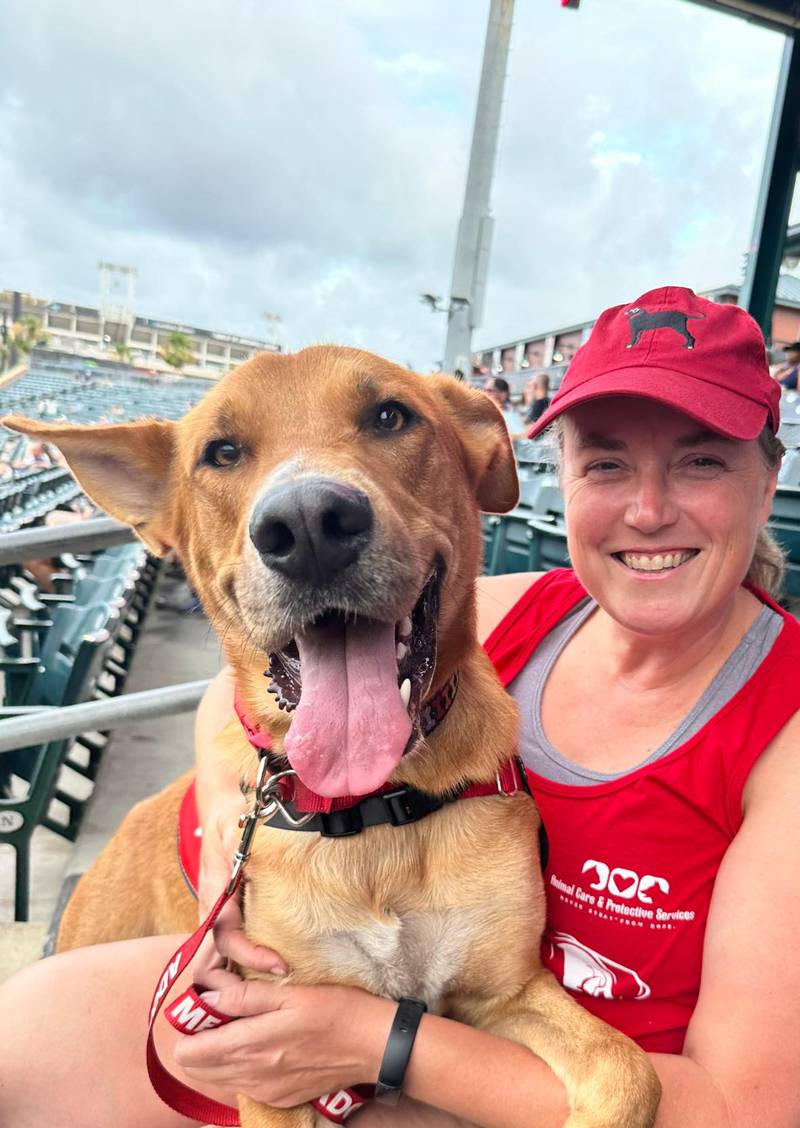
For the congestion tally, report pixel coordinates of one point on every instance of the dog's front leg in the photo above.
(610, 1082)
(255, 1115)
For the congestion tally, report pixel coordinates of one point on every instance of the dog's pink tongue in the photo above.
(349, 731)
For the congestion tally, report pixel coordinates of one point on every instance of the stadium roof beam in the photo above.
(780, 15)
(771, 239)
(770, 228)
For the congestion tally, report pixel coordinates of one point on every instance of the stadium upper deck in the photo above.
(84, 331)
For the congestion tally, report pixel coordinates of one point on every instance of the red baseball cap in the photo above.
(704, 358)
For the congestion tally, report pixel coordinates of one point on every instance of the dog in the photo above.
(642, 321)
(326, 507)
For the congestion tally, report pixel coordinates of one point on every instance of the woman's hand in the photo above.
(289, 1044)
(221, 837)
(228, 946)
(219, 798)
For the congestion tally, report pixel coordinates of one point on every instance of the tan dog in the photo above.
(319, 502)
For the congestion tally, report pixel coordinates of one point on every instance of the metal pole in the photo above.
(775, 196)
(58, 723)
(86, 536)
(473, 245)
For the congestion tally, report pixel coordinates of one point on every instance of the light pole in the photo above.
(473, 245)
(274, 325)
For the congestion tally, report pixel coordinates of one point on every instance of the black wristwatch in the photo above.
(399, 1045)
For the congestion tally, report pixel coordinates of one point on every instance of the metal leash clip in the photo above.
(248, 821)
(267, 803)
(269, 795)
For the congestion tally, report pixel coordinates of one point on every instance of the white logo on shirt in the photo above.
(581, 968)
(624, 883)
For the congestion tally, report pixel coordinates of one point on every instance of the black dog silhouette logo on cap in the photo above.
(642, 322)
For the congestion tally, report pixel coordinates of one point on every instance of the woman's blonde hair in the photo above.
(769, 559)
(768, 563)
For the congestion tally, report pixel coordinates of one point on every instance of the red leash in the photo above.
(190, 1014)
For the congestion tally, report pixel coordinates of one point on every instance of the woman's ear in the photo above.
(486, 442)
(124, 468)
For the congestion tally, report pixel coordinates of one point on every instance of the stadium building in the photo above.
(84, 331)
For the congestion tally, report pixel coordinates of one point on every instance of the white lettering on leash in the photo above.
(339, 1104)
(164, 984)
(192, 1018)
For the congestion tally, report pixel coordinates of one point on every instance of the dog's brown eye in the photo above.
(222, 452)
(392, 417)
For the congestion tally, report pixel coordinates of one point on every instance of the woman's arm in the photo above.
(497, 595)
(219, 799)
(745, 1032)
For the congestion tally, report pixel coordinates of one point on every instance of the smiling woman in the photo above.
(663, 516)
(767, 563)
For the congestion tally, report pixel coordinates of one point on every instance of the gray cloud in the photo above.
(309, 159)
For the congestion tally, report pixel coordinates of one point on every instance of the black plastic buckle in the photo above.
(407, 806)
(341, 824)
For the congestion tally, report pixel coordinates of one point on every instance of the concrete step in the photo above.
(20, 945)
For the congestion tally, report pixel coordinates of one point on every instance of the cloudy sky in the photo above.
(308, 158)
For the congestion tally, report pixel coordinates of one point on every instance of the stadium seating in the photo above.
(533, 537)
(68, 629)
(82, 651)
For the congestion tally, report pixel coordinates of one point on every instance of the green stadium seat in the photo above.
(66, 673)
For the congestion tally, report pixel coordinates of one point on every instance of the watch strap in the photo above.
(399, 1045)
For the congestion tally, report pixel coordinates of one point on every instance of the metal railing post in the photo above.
(44, 725)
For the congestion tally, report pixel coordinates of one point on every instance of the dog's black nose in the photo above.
(312, 528)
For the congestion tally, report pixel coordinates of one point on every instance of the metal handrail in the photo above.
(60, 722)
(33, 544)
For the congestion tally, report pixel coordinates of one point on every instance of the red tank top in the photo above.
(633, 861)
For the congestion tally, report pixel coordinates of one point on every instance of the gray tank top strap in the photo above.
(528, 687)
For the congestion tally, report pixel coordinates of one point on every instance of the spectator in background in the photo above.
(42, 570)
(497, 389)
(536, 396)
(788, 373)
(39, 455)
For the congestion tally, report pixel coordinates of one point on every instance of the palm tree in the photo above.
(178, 352)
(122, 350)
(27, 334)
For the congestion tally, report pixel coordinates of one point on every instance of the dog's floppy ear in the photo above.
(124, 468)
(486, 442)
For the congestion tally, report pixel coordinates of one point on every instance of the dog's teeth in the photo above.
(405, 627)
(402, 650)
(405, 692)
